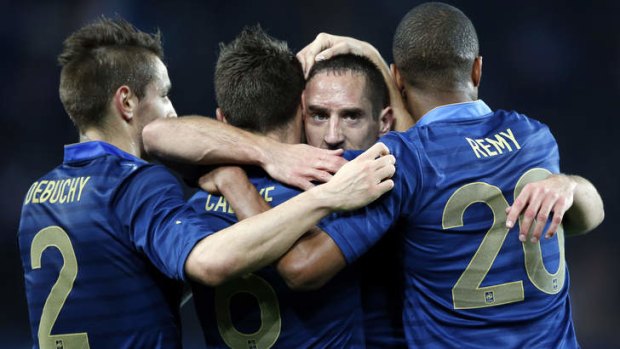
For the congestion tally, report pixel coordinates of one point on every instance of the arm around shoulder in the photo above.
(202, 140)
(587, 211)
(259, 240)
(311, 262)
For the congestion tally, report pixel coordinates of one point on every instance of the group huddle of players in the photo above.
(411, 241)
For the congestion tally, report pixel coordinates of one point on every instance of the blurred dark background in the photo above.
(554, 60)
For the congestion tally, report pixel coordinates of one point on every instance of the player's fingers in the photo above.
(385, 186)
(302, 183)
(206, 183)
(334, 151)
(514, 211)
(307, 55)
(306, 59)
(542, 215)
(383, 161)
(325, 54)
(558, 214)
(336, 49)
(330, 163)
(377, 150)
(529, 215)
(321, 176)
(386, 172)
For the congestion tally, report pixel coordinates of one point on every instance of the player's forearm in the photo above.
(259, 240)
(255, 242)
(587, 211)
(202, 140)
(243, 197)
(312, 261)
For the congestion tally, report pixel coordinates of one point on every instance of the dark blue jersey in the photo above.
(103, 240)
(382, 293)
(260, 311)
(382, 289)
(469, 281)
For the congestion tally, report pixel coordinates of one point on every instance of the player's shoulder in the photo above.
(519, 119)
(399, 143)
(146, 174)
(101, 159)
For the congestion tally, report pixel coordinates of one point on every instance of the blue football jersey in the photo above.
(381, 282)
(260, 311)
(469, 281)
(103, 239)
(382, 293)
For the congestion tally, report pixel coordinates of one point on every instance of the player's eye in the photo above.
(352, 116)
(319, 117)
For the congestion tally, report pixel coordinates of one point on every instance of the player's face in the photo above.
(155, 102)
(337, 113)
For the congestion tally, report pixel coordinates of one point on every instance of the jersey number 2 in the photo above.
(467, 293)
(55, 236)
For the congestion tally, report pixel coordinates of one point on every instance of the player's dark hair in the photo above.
(376, 89)
(258, 81)
(99, 58)
(434, 47)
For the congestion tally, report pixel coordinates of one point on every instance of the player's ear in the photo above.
(476, 71)
(397, 78)
(386, 121)
(219, 115)
(125, 102)
(303, 104)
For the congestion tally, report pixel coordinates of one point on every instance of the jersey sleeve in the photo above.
(160, 224)
(552, 160)
(219, 218)
(356, 231)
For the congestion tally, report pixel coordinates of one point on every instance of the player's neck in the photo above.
(120, 138)
(420, 102)
(289, 133)
(283, 137)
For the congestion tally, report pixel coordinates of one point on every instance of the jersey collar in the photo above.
(90, 150)
(456, 111)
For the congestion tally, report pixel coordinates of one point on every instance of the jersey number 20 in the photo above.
(467, 293)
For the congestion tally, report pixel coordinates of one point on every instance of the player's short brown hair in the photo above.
(258, 81)
(99, 58)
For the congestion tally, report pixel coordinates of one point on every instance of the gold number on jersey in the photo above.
(536, 271)
(467, 293)
(55, 236)
(269, 331)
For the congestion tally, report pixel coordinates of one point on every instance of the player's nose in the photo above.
(334, 137)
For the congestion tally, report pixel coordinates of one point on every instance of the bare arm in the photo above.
(326, 46)
(201, 140)
(312, 261)
(587, 211)
(572, 200)
(260, 240)
(233, 183)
